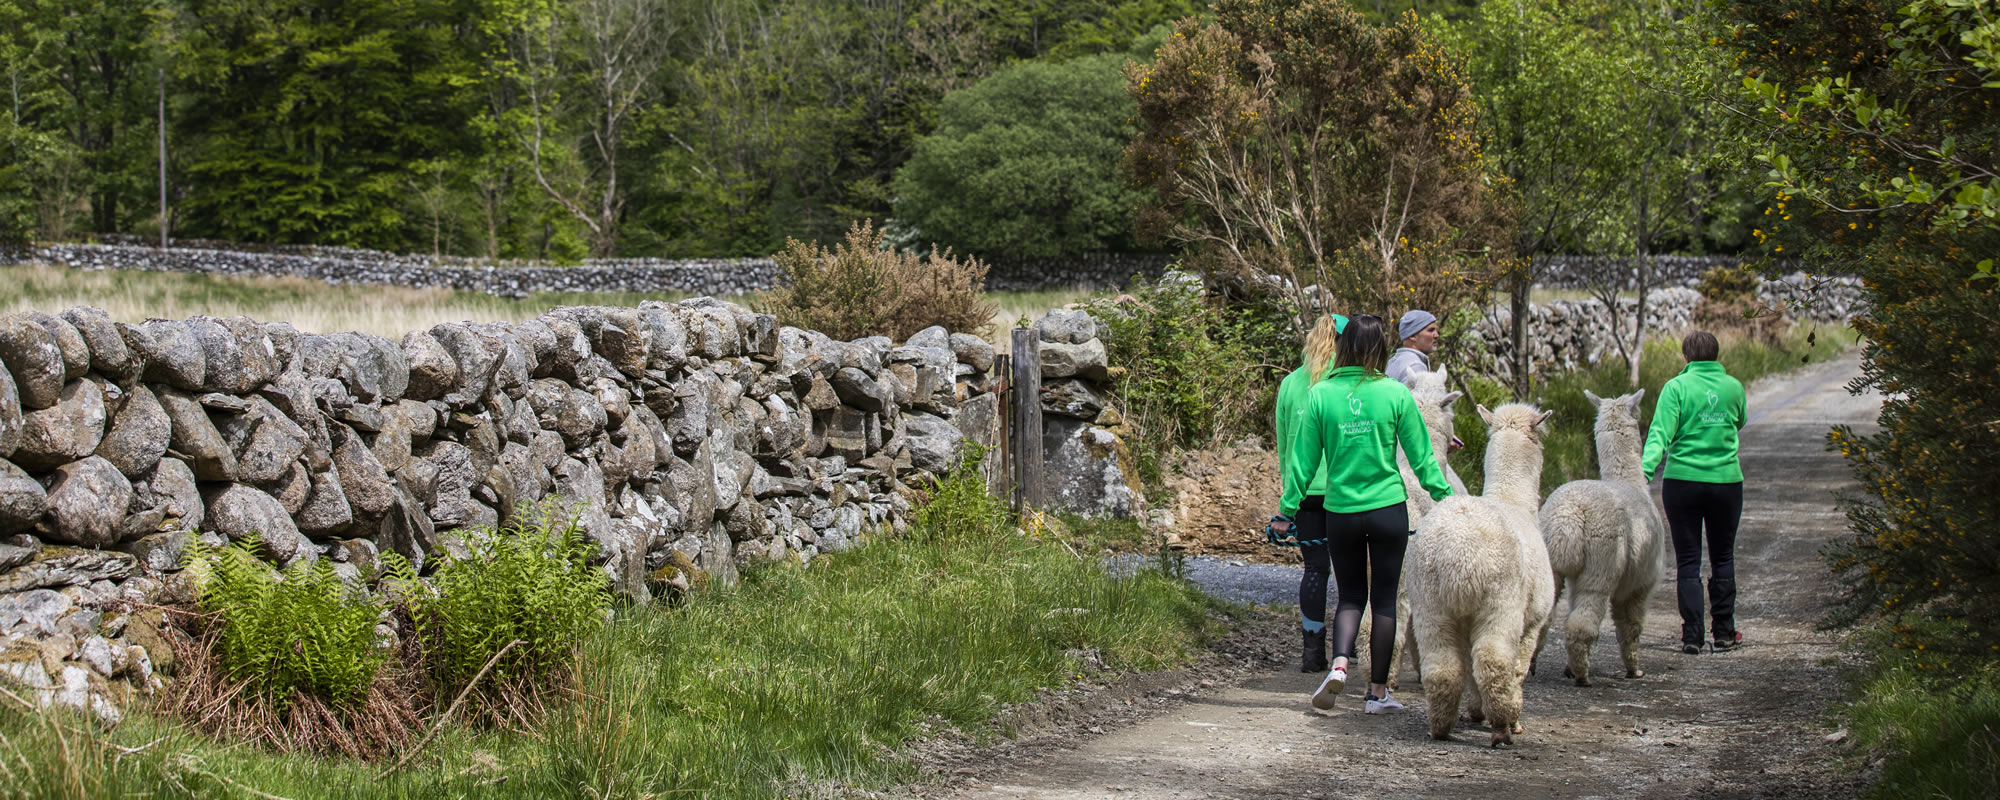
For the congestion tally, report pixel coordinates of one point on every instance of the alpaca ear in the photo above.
(1443, 377)
(1486, 415)
(1637, 398)
(1543, 418)
(1595, 401)
(1451, 398)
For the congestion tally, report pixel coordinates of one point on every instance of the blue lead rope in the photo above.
(1289, 538)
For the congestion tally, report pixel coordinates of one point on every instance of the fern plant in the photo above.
(299, 630)
(528, 580)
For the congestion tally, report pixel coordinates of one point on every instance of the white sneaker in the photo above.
(1382, 705)
(1336, 680)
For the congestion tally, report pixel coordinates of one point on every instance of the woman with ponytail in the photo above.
(1310, 528)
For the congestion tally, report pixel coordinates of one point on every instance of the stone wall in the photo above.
(691, 436)
(517, 279)
(1581, 272)
(1569, 334)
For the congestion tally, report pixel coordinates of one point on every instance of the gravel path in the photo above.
(1751, 723)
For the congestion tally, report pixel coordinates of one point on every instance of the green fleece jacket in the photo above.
(1353, 422)
(1291, 406)
(1695, 423)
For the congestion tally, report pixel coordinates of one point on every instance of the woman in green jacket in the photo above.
(1695, 425)
(1353, 422)
(1311, 522)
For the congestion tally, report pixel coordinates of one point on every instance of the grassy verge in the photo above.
(1934, 722)
(134, 295)
(1569, 451)
(794, 680)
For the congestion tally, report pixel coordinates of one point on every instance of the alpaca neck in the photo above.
(1618, 457)
(1514, 471)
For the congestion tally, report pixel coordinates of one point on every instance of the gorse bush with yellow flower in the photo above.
(1873, 125)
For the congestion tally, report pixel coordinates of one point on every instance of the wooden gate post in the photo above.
(1000, 461)
(1025, 423)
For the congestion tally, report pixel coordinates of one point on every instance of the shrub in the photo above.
(1025, 162)
(1189, 372)
(299, 631)
(530, 580)
(960, 507)
(859, 288)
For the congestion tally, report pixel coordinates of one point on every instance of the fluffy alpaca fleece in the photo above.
(1480, 586)
(1605, 538)
(1434, 403)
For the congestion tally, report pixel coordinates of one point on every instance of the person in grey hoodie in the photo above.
(1419, 331)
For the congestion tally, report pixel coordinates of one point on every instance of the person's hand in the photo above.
(1454, 445)
(1279, 530)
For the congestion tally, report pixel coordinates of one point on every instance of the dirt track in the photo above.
(1750, 723)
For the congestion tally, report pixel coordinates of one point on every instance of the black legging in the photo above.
(1691, 507)
(1311, 524)
(1367, 549)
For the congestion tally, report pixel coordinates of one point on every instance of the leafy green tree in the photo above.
(306, 119)
(82, 71)
(1292, 137)
(1874, 126)
(1548, 80)
(1025, 163)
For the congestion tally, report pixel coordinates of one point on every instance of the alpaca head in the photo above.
(1619, 438)
(1514, 452)
(1434, 403)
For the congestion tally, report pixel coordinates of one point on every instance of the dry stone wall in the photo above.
(1570, 334)
(696, 433)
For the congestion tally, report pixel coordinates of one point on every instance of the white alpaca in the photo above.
(1605, 538)
(1434, 404)
(1480, 586)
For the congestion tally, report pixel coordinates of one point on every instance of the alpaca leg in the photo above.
(1629, 614)
(1475, 703)
(1408, 634)
(1543, 638)
(1586, 618)
(1444, 682)
(1496, 674)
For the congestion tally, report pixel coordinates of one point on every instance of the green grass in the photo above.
(134, 295)
(1568, 447)
(794, 679)
(1934, 722)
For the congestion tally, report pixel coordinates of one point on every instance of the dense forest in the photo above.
(563, 129)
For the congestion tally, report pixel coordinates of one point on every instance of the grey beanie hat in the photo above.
(1414, 321)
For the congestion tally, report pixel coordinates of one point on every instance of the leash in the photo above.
(1290, 536)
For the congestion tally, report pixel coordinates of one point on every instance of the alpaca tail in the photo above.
(1563, 532)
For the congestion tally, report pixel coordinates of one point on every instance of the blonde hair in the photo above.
(1320, 345)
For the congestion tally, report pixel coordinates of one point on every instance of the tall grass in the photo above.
(793, 680)
(1569, 451)
(313, 306)
(1935, 723)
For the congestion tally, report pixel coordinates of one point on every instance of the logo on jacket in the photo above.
(1354, 405)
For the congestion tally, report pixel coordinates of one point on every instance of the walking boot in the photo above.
(1314, 659)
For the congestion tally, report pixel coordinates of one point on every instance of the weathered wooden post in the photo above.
(1000, 462)
(1025, 422)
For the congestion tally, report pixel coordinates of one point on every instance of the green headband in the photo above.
(1339, 323)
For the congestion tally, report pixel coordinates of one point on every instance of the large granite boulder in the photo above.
(87, 501)
(66, 431)
(1089, 471)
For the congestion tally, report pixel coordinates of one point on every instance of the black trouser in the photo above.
(1367, 551)
(1311, 525)
(1694, 507)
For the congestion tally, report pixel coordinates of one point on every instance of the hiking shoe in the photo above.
(1731, 642)
(1691, 649)
(1336, 680)
(1382, 705)
(1314, 658)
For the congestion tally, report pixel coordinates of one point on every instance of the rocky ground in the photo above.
(1755, 723)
